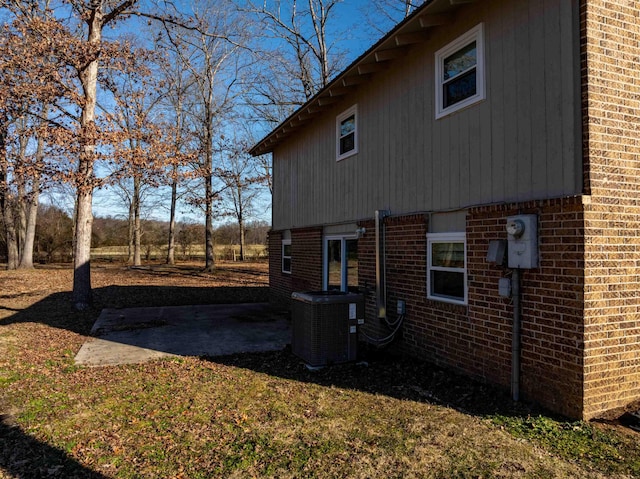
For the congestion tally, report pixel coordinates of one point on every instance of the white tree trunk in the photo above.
(84, 215)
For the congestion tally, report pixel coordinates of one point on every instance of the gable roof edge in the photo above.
(413, 29)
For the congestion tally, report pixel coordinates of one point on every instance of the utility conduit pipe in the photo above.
(515, 337)
(381, 283)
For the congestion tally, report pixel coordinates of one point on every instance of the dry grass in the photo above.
(256, 415)
(196, 251)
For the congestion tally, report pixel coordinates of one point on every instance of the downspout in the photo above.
(515, 338)
(381, 283)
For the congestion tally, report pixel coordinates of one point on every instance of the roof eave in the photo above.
(395, 44)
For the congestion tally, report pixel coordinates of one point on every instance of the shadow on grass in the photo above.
(24, 457)
(56, 310)
(385, 373)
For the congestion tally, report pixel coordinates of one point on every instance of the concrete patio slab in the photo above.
(134, 335)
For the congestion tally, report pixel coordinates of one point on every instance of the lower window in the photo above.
(447, 267)
(341, 264)
(286, 256)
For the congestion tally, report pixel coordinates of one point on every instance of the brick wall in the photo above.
(279, 282)
(405, 273)
(306, 259)
(367, 279)
(552, 309)
(306, 264)
(476, 339)
(610, 46)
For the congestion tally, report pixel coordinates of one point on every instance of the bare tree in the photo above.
(28, 207)
(209, 54)
(295, 53)
(301, 27)
(76, 40)
(140, 157)
(176, 105)
(95, 15)
(381, 15)
(242, 178)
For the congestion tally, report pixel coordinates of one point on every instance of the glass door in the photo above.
(341, 263)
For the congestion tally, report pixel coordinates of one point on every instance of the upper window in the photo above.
(460, 72)
(447, 267)
(286, 256)
(347, 133)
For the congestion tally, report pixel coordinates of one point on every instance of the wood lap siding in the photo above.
(521, 143)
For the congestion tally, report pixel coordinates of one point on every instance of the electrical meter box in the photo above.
(522, 238)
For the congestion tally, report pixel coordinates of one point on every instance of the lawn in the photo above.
(255, 415)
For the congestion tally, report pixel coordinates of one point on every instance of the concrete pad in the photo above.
(134, 335)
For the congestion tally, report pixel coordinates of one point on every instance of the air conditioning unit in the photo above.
(325, 326)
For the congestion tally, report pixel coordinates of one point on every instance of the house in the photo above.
(471, 122)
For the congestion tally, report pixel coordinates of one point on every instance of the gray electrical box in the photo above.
(504, 287)
(522, 237)
(496, 252)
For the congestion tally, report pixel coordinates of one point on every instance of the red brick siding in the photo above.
(306, 264)
(306, 259)
(279, 282)
(610, 46)
(367, 279)
(552, 295)
(476, 339)
(405, 239)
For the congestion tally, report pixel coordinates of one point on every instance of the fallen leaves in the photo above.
(252, 415)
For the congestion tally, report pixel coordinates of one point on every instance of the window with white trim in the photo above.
(447, 267)
(286, 256)
(460, 72)
(347, 133)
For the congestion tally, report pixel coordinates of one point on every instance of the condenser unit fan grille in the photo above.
(324, 329)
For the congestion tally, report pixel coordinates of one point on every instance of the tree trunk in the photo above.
(130, 240)
(208, 193)
(172, 222)
(84, 215)
(20, 181)
(5, 203)
(11, 237)
(209, 254)
(240, 214)
(137, 233)
(82, 251)
(242, 235)
(26, 256)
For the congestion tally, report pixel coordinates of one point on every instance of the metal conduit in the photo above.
(381, 284)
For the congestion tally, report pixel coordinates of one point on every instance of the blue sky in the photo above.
(348, 32)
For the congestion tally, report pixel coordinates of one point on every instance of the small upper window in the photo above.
(460, 72)
(347, 133)
(447, 267)
(286, 256)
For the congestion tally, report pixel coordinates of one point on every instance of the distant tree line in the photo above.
(54, 235)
